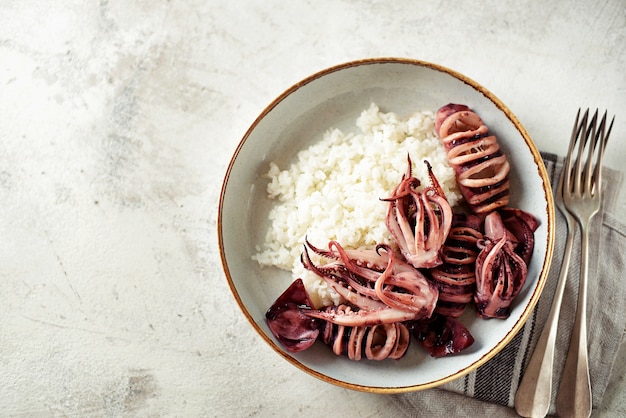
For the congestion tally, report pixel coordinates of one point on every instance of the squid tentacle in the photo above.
(419, 221)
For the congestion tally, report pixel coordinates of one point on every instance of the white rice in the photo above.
(333, 189)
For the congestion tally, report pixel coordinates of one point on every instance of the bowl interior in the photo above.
(334, 98)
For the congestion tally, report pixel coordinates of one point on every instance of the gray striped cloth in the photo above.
(497, 380)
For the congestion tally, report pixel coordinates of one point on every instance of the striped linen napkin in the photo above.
(496, 381)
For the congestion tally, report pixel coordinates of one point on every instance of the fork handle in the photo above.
(574, 397)
(533, 394)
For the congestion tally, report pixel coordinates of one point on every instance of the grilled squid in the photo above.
(481, 168)
(374, 342)
(456, 278)
(441, 335)
(500, 271)
(419, 221)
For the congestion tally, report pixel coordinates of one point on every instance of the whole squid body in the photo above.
(481, 168)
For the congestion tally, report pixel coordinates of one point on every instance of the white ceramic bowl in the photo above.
(334, 98)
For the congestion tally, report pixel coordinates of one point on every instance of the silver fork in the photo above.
(582, 195)
(535, 390)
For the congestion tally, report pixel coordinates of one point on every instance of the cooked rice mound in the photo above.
(332, 190)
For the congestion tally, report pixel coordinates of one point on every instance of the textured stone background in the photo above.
(117, 123)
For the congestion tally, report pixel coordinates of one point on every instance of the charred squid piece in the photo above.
(482, 170)
(419, 221)
(287, 321)
(396, 294)
(374, 342)
(522, 225)
(441, 335)
(456, 277)
(500, 271)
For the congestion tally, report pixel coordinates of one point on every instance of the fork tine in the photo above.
(593, 135)
(568, 158)
(597, 177)
(571, 164)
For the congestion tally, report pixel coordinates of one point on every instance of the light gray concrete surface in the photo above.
(117, 122)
